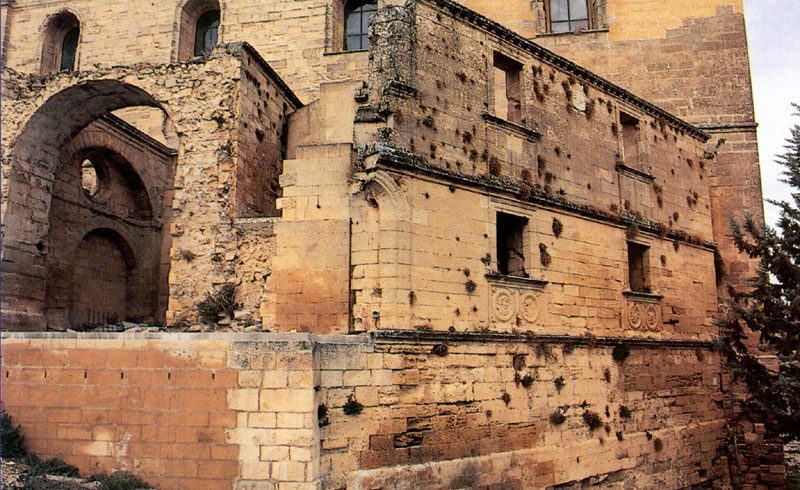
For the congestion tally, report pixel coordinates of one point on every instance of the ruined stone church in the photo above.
(381, 243)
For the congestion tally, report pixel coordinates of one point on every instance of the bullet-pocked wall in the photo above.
(303, 412)
(497, 140)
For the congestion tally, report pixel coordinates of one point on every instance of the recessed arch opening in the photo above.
(60, 43)
(199, 28)
(43, 225)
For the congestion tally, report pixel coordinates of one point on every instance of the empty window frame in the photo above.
(62, 35)
(507, 88)
(206, 32)
(357, 14)
(638, 268)
(630, 139)
(568, 15)
(511, 244)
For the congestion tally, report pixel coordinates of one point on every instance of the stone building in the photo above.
(518, 213)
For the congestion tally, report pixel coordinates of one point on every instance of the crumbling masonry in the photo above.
(458, 259)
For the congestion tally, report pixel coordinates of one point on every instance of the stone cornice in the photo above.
(390, 158)
(435, 337)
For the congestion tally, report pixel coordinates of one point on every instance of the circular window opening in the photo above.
(89, 177)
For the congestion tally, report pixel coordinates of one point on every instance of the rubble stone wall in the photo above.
(42, 117)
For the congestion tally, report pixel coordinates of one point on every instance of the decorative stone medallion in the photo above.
(504, 305)
(529, 307)
(635, 315)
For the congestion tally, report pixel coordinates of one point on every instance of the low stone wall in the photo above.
(415, 409)
(183, 411)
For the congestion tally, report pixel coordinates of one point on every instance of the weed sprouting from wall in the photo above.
(658, 444)
(352, 407)
(557, 418)
(607, 375)
(544, 256)
(506, 398)
(592, 420)
(322, 415)
(440, 350)
(560, 383)
(620, 436)
(527, 381)
(624, 412)
(558, 227)
(220, 303)
(470, 286)
(621, 352)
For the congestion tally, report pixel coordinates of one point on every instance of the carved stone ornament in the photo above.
(529, 307)
(504, 305)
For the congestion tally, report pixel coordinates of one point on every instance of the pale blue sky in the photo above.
(773, 35)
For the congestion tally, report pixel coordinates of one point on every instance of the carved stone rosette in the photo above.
(642, 311)
(516, 301)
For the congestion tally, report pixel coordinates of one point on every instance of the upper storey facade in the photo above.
(306, 41)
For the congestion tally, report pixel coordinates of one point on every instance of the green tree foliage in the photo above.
(770, 308)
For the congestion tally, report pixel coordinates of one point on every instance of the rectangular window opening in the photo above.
(637, 268)
(630, 139)
(507, 88)
(568, 15)
(511, 244)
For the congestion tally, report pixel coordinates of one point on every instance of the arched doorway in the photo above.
(103, 267)
(36, 255)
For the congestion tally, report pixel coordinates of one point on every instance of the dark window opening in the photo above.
(510, 244)
(637, 268)
(68, 49)
(357, 15)
(568, 15)
(205, 34)
(630, 139)
(507, 88)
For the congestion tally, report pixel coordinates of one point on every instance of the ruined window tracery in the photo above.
(357, 15)
(61, 38)
(568, 15)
